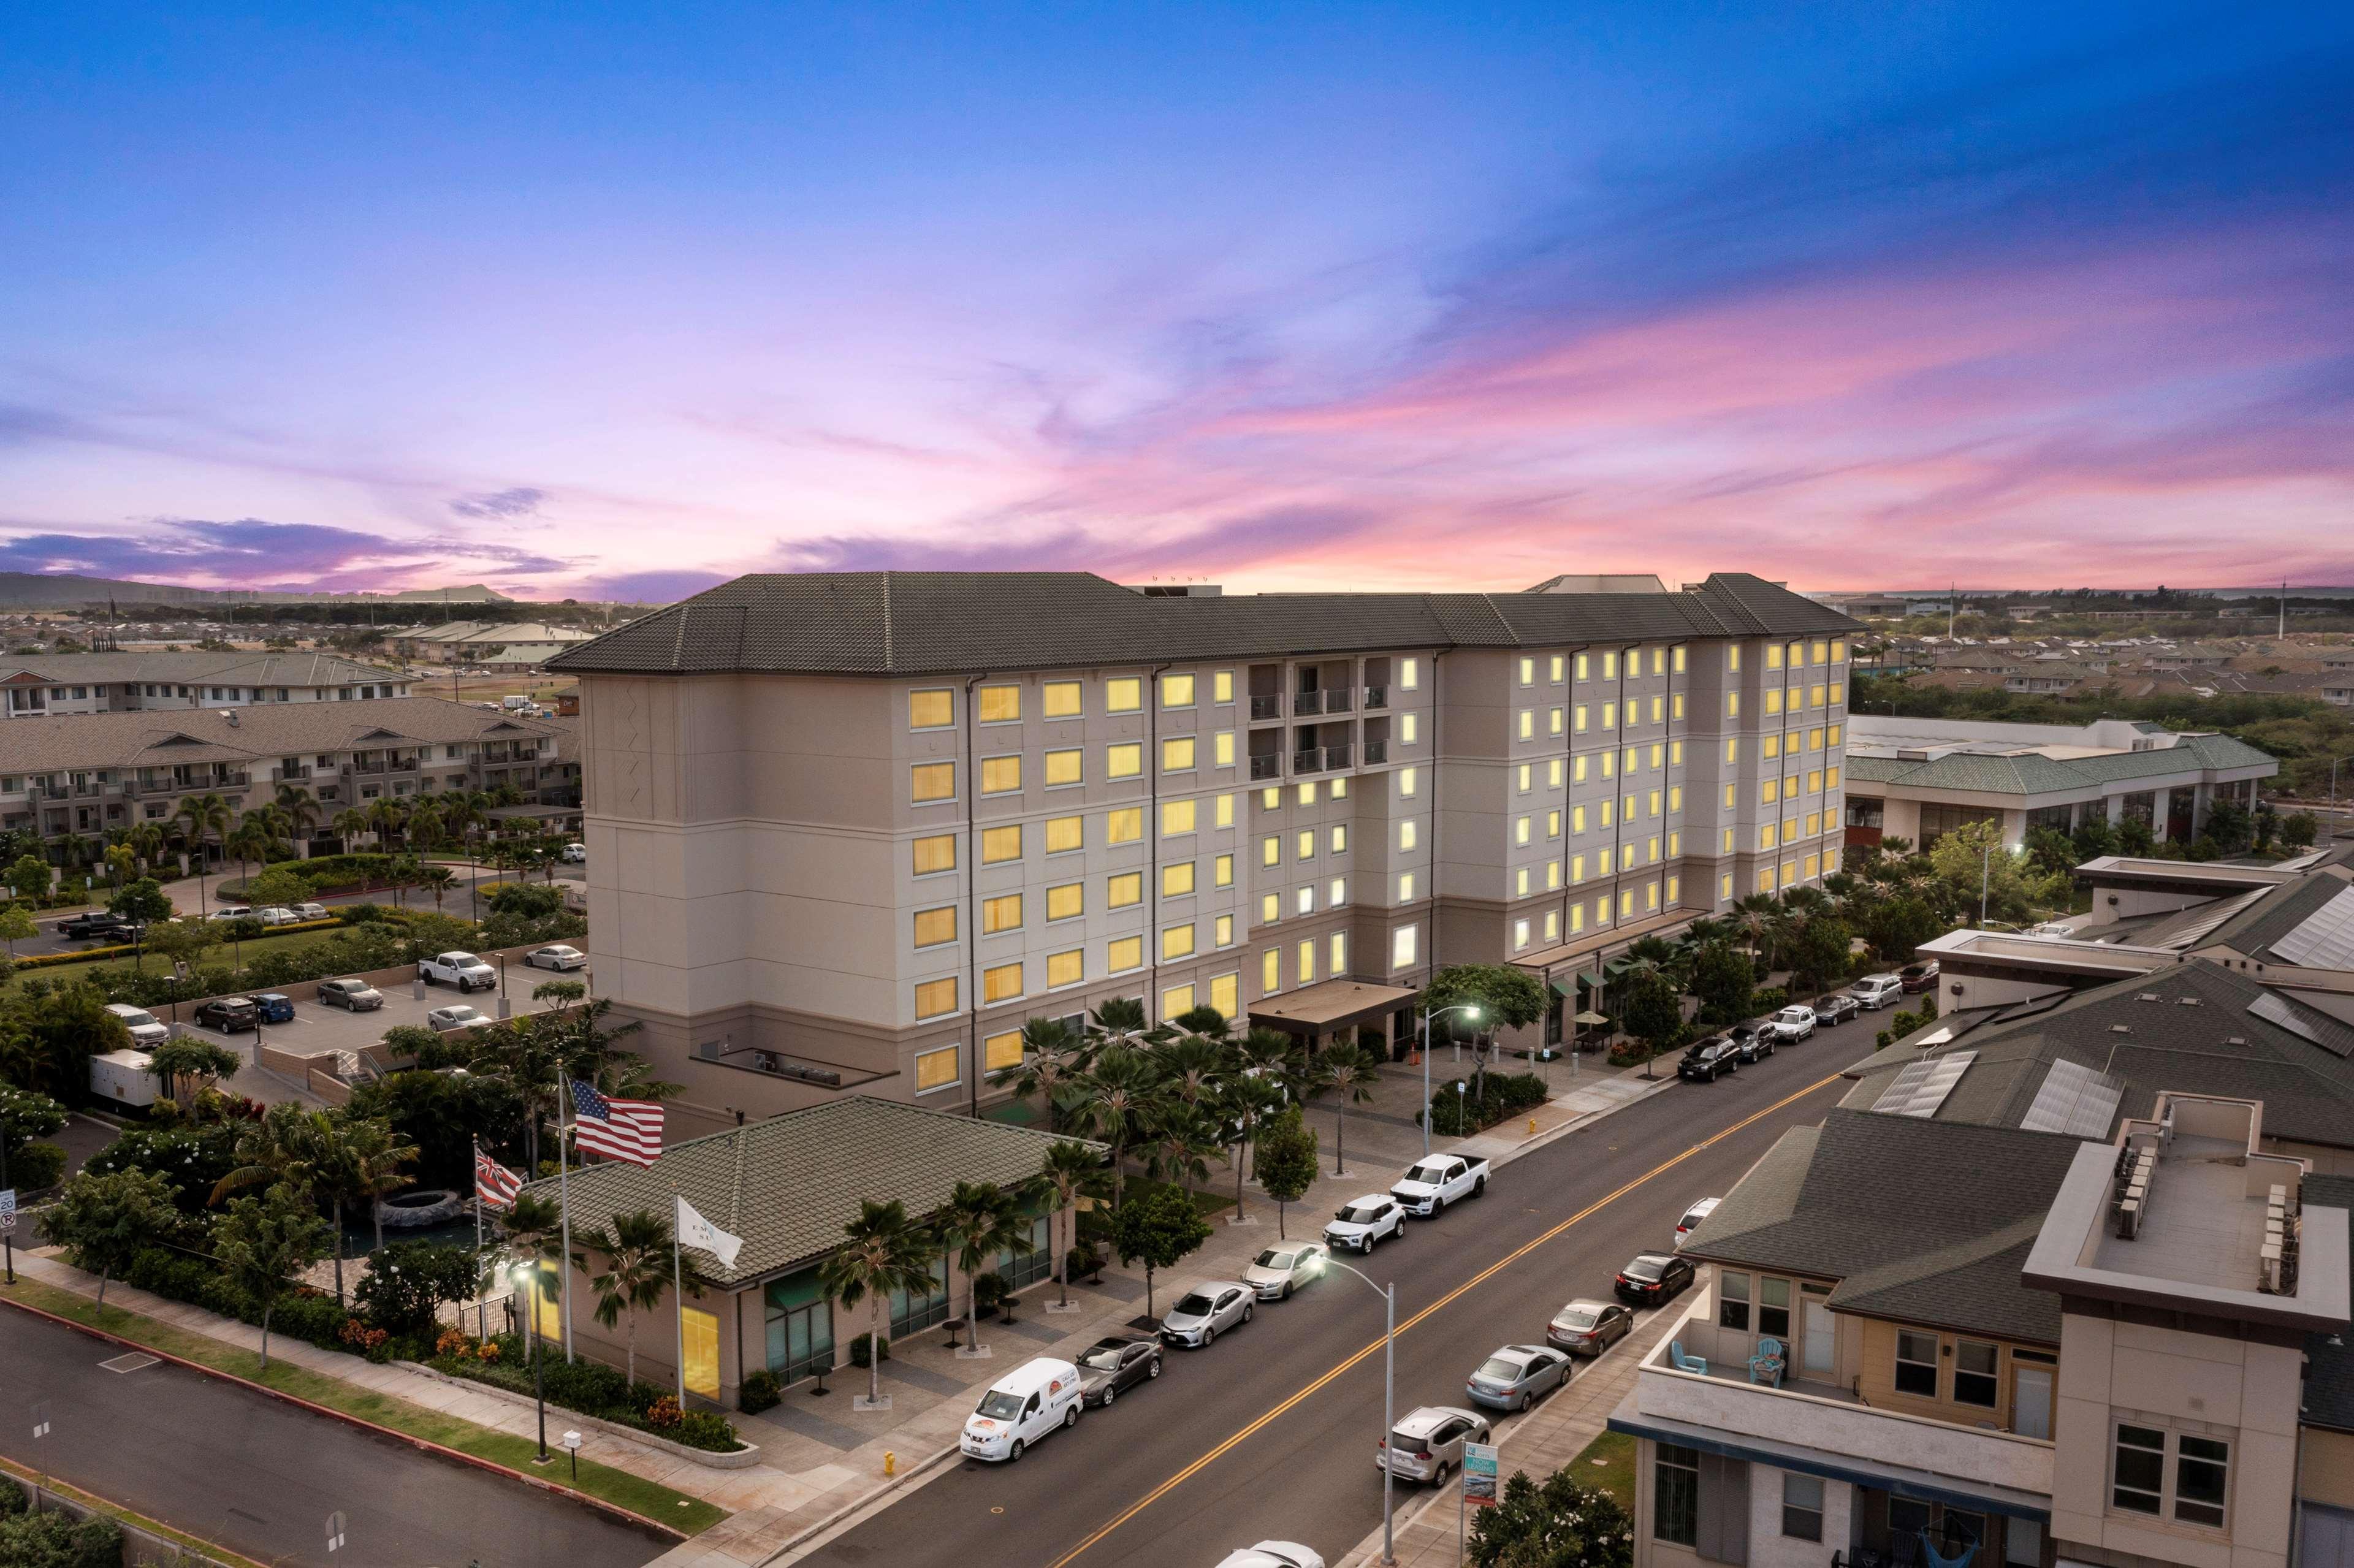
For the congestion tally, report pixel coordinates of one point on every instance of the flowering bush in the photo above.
(662, 1414)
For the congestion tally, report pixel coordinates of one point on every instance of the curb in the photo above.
(921, 1468)
(424, 1444)
(1552, 1135)
(131, 1522)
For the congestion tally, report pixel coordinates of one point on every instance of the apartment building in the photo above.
(118, 770)
(849, 832)
(1918, 778)
(497, 645)
(2026, 1308)
(40, 685)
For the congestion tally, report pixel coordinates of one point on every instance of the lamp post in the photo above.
(2333, 781)
(1388, 1293)
(1471, 1008)
(526, 1274)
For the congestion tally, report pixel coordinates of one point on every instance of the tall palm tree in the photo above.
(384, 816)
(884, 1251)
(1119, 1021)
(980, 1220)
(204, 818)
(350, 823)
(425, 825)
(146, 841)
(1348, 1072)
(1070, 1172)
(1179, 1142)
(534, 1228)
(249, 842)
(302, 808)
(1242, 1103)
(1109, 1098)
(1053, 1055)
(1193, 1067)
(638, 1266)
(369, 1167)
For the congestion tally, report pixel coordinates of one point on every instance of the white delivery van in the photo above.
(1021, 1407)
(515, 703)
(123, 1077)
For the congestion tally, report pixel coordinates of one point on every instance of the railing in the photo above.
(1308, 702)
(1266, 709)
(1376, 751)
(1266, 767)
(1337, 700)
(1336, 757)
(1377, 697)
(1308, 761)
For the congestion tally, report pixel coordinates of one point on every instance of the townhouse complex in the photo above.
(38, 685)
(847, 831)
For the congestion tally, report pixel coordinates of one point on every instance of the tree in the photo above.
(1561, 1524)
(1974, 855)
(251, 841)
(1350, 1072)
(1070, 1172)
(637, 1266)
(350, 824)
(366, 1168)
(981, 1220)
(2298, 830)
(202, 818)
(301, 810)
(1109, 1099)
(1244, 1103)
(1899, 926)
(1052, 1055)
(26, 1116)
(16, 925)
(409, 1282)
(1723, 980)
(1287, 1161)
(1651, 1010)
(262, 1243)
(1507, 998)
(1182, 1139)
(104, 1221)
(30, 876)
(278, 885)
(144, 904)
(49, 1032)
(191, 1056)
(1161, 1228)
(884, 1251)
(1820, 951)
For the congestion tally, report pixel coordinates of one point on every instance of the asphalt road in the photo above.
(1261, 1437)
(260, 1476)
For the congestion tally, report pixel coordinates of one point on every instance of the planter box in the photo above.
(743, 1458)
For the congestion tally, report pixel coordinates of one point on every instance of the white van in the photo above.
(146, 1032)
(1876, 992)
(1021, 1407)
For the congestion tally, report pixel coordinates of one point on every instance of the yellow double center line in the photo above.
(1509, 1258)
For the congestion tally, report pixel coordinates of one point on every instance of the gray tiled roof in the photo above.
(2329, 1358)
(1923, 1221)
(265, 730)
(2276, 914)
(938, 622)
(2032, 773)
(241, 668)
(789, 1184)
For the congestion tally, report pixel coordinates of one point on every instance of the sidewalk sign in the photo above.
(1479, 1474)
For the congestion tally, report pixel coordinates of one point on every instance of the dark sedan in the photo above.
(229, 1014)
(1918, 977)
(1833, 1011)
(1110, 1367)
(1588, 1328)
(1708, 1061)
(1653, 1277)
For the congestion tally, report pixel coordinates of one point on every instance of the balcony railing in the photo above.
(1319, 759)
(1377, 697)
(1308, 702)
(1376, 751)
(1266, 767)
(1266, 709)
(1338, 700)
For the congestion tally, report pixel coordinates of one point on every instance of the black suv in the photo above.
(231, 1014)
(1709, 1060)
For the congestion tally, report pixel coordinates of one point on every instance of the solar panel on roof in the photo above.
(2181, 936)
(1922, 1086)
(2075, 1101)
(2326, 1032)
(2323, 939)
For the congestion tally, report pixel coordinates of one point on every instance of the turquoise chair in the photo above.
(1684, 1363)
(1768, 1364)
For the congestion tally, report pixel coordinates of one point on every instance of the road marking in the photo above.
(136, 1361)
(1262, 1422)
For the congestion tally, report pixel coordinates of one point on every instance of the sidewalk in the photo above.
(1540, 1443)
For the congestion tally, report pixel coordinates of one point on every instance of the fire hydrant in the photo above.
(1532, 1126)
(890, 1464)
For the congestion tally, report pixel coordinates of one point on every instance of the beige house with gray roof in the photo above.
(58, 684)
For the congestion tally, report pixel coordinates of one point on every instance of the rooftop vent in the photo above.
(2151, 996)
(2188, 1001)
(2235, 1039)
(2120, 1029)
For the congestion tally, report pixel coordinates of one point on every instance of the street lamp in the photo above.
(1471, 1008)
(527, 1275)
(2333, 782)
(1388, 1293)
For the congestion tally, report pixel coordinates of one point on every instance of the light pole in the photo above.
(2333, 781)
(1466, 1007)
(1388, 1293)
(526, 1274)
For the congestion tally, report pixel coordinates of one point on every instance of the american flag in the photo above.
(625, 1129)
(496, 1186)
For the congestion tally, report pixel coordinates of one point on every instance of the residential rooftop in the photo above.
(267, 731)
(241, 667)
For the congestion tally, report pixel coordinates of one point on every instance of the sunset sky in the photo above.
(589, 299)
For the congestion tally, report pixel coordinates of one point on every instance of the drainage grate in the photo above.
(135, 1361)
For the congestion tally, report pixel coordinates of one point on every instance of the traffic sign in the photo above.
(8, 1208)
(1479, 1474)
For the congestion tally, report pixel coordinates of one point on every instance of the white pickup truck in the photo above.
(463, 970)
(1436, 1180)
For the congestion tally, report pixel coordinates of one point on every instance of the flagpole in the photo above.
(482, 1300)
(564, 1200)
(678, 1290)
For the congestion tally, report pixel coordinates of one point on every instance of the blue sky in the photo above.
(610, 298)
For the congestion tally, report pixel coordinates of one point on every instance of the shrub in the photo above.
(1773, 999)
(662, 1414)
(1454, 1115)
(859, 1354)
(706, 1430)
(1080, 1262)
(408, 1282)
(12, 1498)
(989, 1292)
(32, 1166)
(759, 1391)
(592, 1389)
(55, 1540)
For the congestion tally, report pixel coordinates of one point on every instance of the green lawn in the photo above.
(1609, 1462)
(289, 942)
(648, 1500)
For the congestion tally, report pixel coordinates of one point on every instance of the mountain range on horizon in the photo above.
(58, 590)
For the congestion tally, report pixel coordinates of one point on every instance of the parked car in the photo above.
(457, 1015)
(355, 994)
(1588, 1328)
(576, 854)
(277, 915)
(1438, 1180)
(231, 911)
(1693, 1217)
(1517, 1376)
(1752, 1042)
(311, 911)
(1360, 1222)
(1832, 1011)
(1709, 1061)
(96, 925)
(1653, 1277)
(1108, 1367)
(1873, 993)
(1021, 1407)
(229, 1014)
(1792, 1024)
(1283, 1268)
(146, 1032)
(1429, 1441)
(1273, 1554)
(275, 1006)
(558, 956)
(1204, 1312)
(463, 970)
(1918, 977)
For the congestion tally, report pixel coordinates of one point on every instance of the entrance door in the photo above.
(702, 1334)
(1822, 1342)
(2030, 1401)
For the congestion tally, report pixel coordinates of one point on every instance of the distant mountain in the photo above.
(58, 590)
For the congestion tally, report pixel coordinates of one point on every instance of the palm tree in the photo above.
(384, 816)
(203, 817)
(535, 1236)
(981, 1220)
(369, 1169)
(1071, 1171)
(1052, 1055)
(884, 1252)
(146, 841)
(1350, 1072)
(1193, 1067)
(1107, 1099)
(426, 826)
(348, 825)
(1119, 1021)
(1182, 1137)
(1242, 1103)
(639, 1260)
(302, 808)
(249, 842)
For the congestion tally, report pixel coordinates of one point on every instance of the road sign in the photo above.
(1479, 1474)
(8, 1208)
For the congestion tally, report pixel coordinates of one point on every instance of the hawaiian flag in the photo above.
(496, 1186)
(625, 1129)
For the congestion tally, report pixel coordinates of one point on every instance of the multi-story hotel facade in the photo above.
(847, 832)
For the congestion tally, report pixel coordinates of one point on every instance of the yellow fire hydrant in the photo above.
(1533, 1125)
(890, 1464)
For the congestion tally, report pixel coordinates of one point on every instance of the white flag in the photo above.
(695, 1231)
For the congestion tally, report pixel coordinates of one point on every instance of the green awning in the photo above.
(1593, 981)
(1561, 989)
(1616, 965)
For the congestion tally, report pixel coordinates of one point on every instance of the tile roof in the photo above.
(1924, 1221)
(789, 1184)
(2278, 912)
(2027, 772)
(265, 730)
(941, 622)
(242, 668)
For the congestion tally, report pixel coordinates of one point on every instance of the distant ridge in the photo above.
(56, 590)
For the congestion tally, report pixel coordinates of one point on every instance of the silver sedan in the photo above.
(1207, 1309)
(1517, 1376)
(1285, 1268)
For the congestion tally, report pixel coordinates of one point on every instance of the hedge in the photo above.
(589, 1387)
(1503, 1094)
(54, 1538)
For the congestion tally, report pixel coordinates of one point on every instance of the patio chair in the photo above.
(1768, 1364)
(1684, 1363)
